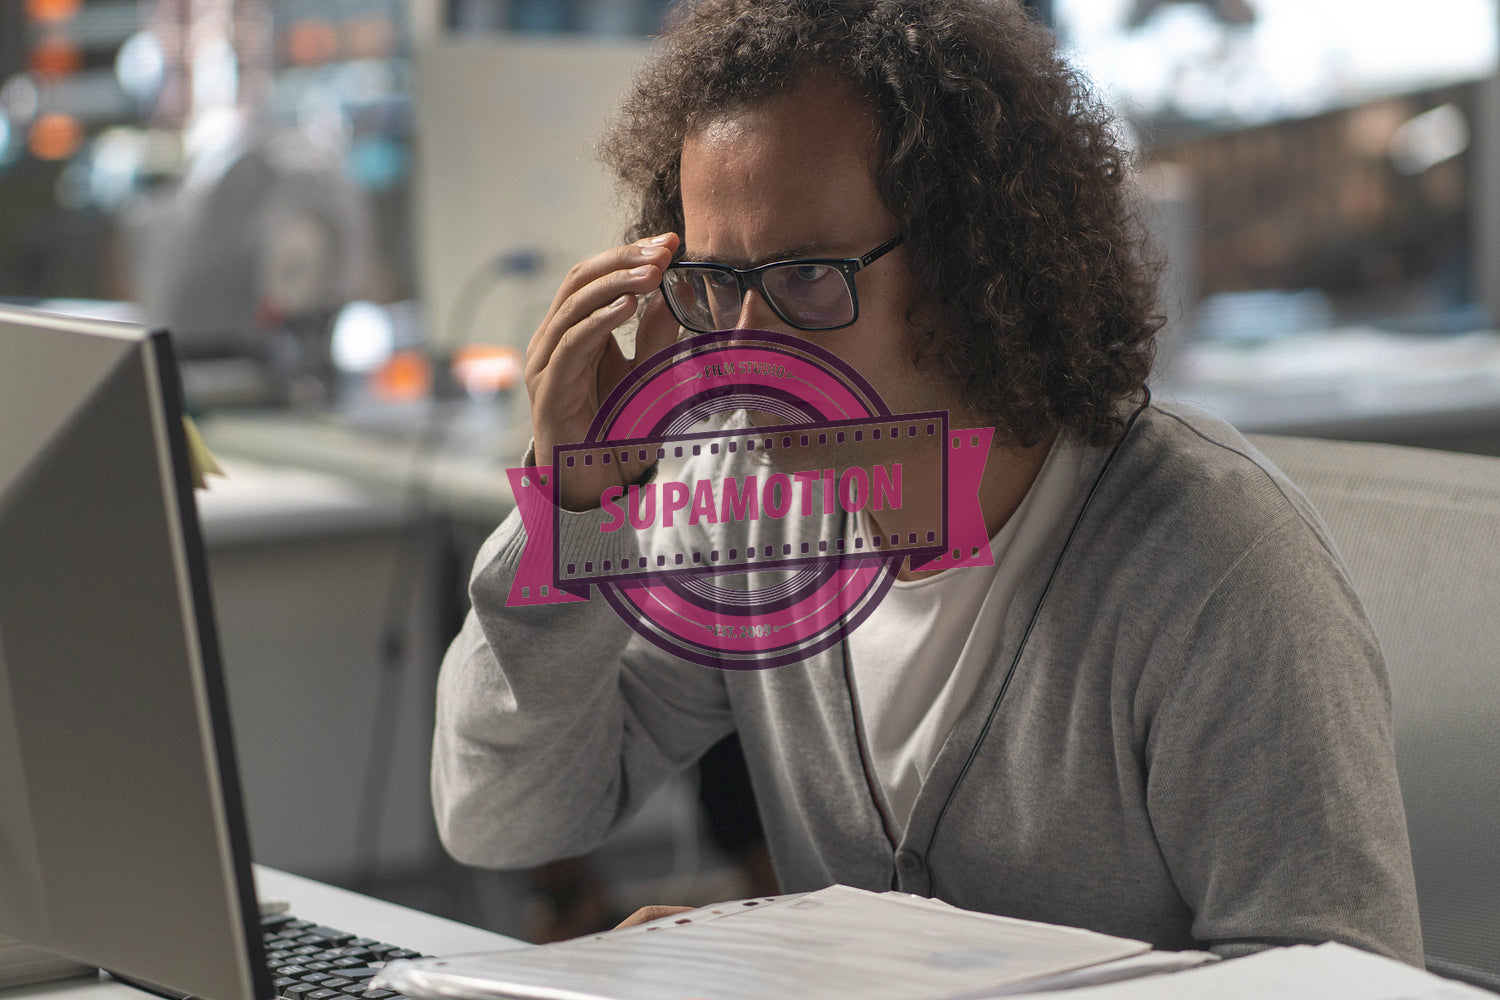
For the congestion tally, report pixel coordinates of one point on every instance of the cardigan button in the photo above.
(908, 863)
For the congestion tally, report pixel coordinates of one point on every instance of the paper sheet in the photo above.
(831, 944)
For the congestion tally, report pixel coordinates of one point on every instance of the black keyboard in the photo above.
(311, 962)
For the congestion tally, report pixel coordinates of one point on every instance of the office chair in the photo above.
(1420, 533)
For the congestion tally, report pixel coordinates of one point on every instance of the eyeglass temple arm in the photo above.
(881, 250)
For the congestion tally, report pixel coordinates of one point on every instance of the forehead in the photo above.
(793, 172)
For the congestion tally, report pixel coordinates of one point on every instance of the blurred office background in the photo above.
(352, 214)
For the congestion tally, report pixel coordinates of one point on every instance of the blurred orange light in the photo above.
(369, 37)
(55, 57)
(405, 377)
(54, 137)
(52, 11)
(311, 42)
(485, 369)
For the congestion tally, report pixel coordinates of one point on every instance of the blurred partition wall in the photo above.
(509, 191)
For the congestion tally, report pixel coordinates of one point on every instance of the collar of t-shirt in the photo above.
(917, 659)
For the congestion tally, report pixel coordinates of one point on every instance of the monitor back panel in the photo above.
(119, 843)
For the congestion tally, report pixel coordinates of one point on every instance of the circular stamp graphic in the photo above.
(755, 543)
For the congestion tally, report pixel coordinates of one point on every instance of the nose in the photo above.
(757, 314)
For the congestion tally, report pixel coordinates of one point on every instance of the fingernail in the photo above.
(617, 303)
(659, 240)
(642, 271)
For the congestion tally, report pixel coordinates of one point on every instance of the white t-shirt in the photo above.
(918, 657)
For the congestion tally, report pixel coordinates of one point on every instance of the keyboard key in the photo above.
(321, 994)
(297, 991)
(295, 924)
(318, 966)
(314, 977)
(361, 972)
(403, 953)
(356, 989)
(332, 934)
(377, 994)
(348, 963)
(291, 970)
(275, 921)
(274, 957)
(283, 981)
(336, 982)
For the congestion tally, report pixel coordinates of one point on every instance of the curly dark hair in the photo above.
(1034, 298)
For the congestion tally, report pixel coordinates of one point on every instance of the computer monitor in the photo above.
(122, 841)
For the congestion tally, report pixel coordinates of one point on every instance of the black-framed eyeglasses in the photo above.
(808, 293)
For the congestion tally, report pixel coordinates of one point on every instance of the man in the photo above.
(1161, 714)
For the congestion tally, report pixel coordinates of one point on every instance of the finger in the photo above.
(648, 913)
(584, 289)
(575, 358)
(657, 329)
(587, 270)
(613, 367)
(655, 249)
(585, 303)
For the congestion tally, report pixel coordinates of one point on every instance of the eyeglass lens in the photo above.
(809, 296)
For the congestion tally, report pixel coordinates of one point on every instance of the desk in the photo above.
(312, 901)
(376, 918)
(462, 475)
(1360, 975)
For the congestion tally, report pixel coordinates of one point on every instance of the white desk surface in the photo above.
(262, 502)
(334, 907)
(368, 917)
(464, 476)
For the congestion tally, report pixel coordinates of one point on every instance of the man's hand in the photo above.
(573, 361)
(648, 913)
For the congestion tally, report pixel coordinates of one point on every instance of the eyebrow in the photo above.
(784, 253)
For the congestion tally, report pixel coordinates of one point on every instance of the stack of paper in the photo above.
(837, 942)
(22, 964)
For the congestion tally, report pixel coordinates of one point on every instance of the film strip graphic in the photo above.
(775, 511)
(777, 500)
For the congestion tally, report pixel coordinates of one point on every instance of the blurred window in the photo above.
(1325, 160)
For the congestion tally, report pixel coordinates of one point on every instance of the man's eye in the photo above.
(809, 273)
(718, 279)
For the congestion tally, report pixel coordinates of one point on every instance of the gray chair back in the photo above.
(1420, 533)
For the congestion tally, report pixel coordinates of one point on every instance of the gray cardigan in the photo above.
(1193, 748)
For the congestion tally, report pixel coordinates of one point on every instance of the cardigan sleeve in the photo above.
(554, 723)
(1271, 770)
